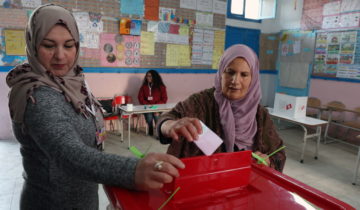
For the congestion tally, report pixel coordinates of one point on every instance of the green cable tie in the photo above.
(136, 152)
(273, 153)
(167, 201)
(260, 159)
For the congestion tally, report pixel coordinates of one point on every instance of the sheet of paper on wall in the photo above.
(331, 8)
(152, 26)
(204, 5)
(188, 4)
(204, 19)
(219, 43)
(219, 7)
(30, 3)
(331, 22)
(350, 20)
(177, 55)
(14, 42)
(147, 43)
(350, 6)
(172, 38)
(208, 141)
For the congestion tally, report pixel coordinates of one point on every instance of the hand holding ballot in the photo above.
(187, 127)
(192, 129)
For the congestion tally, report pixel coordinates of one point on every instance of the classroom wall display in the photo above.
(269, 44)
(337, 54)
(157, 30)
(327, 14)
(296, 52)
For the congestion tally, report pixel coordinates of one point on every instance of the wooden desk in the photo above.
(141, 109)
(302, 122)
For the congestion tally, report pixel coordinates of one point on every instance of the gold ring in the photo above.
(158, 165)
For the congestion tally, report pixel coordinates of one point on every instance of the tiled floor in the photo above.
(331, 173)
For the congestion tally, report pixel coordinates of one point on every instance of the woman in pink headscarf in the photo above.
(231, 109)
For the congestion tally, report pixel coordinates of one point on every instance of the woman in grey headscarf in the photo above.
(58, 123)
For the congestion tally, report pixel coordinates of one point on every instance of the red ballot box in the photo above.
(226, 181)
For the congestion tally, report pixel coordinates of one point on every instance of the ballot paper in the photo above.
(208, 141)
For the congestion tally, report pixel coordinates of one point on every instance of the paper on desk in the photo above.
(208, 141)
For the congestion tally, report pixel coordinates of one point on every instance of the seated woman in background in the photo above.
(58, 123)
(152, 91)
(231, 109)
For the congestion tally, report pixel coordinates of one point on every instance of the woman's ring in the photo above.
(158, 165)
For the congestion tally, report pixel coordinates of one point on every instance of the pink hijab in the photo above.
(238, 117)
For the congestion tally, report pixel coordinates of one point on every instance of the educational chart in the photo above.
(335, 54)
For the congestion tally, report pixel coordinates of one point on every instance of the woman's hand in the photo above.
(190, 128)
(263, 156)
(155, 169)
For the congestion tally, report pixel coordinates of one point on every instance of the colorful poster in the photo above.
(14, 42)
(166, 14)
(125, 25)
(108, 50)
(147, 43)
(132, 7)
(151, 10)
(135, 28)
(129, 50)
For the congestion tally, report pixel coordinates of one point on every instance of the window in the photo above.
(254, 10)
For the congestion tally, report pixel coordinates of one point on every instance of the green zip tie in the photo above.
(136, 152)
(273, 153)
(167, 201)
(260, 159)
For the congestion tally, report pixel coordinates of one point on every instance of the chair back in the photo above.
(313, 102)
(336, 105)
(337, 112)
(119, 100)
